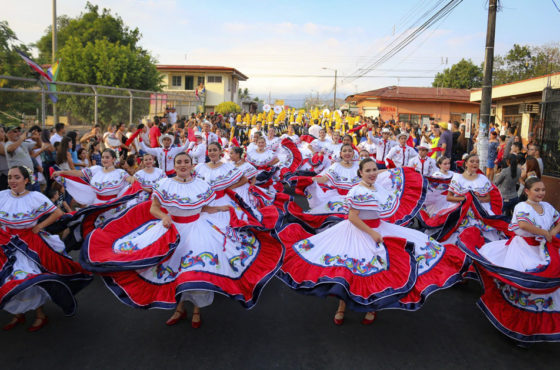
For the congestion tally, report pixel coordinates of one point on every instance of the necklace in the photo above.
(18, 194)
(533, 203)
(368, 186)
(184, 179)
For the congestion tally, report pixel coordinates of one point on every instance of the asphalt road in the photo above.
(285, 330)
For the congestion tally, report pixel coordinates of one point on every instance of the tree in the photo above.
(88, 27)
(227, 107)
(98, 49)
(12, 104)
(462, 75)
(523, 62)
(243, 94)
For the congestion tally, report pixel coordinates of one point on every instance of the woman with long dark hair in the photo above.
(520, 274)
(34, 267)
(350, 260)
(175, 248)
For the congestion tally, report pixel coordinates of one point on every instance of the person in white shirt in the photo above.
(172, 116)
(258, 128)
(422, 163)
(166, 154)
(314, 129)
(272, 142)
(401, 154)
(383, 145)
(207, 135)
(197, 150)
(59, 134)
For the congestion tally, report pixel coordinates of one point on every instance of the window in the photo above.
(189, 83)
(215, 79)
(200, 80)
(404, 117)
(176, 81)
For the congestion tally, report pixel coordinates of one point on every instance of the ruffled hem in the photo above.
(448, 271)
(61, 278)
(471, 240)
(97, 253)
(82, 222)
(517, 323)
(134, 290)
(360, 292)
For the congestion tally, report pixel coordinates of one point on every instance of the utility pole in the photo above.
(334, 100)
(486, 100)
(53, 59)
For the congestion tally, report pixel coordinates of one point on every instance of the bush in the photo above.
(227, 107)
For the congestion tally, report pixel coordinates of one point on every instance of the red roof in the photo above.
(167, 67)
(415, 93)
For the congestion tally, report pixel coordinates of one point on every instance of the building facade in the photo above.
(413, 104)
(532, 106)
(205, 86)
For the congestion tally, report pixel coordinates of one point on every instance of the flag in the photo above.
(53, 73)
(37, 68)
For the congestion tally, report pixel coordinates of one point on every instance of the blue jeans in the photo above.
(508, 207)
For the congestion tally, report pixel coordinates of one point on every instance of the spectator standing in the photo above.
(60, 132)
(506, 180)
(154, 134)
(492, 154)
(509, 140)
(172, 116)
(446, 139)
(3, 162)
(533, 150)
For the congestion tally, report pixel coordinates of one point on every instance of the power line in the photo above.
(330, 76)
(440, 14)
(555, 5)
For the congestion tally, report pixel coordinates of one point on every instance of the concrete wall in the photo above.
(390, 109)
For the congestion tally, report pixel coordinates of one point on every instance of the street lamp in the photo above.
(335, 73)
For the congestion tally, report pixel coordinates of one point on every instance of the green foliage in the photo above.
(97, 48)
(11, 64)
(462, 75)
(523, 62)
(108, 64)
(227, 107)
(88, 27)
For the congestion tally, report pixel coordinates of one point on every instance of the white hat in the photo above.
(198, 134)
(403, 134)
(206, 122)
(423, 146)
(386, 130)
(165, 136)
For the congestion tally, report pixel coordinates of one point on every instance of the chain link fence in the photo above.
(29, 99)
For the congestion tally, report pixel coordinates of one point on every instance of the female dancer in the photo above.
(33, 267)
(521, 276)
(262, 158)
(351, 259)
(221, 177)
(326, 192)
(256, 197)
(104, 189)
(438, 184)
(148, 176)
(472, 200)
(160, 254)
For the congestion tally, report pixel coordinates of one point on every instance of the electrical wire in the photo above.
(440, 14)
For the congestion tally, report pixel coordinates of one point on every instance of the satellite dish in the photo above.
(326, 112)
(266, 108)
(277, 109)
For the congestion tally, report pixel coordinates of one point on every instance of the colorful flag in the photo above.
(37, 68)
(53, 73)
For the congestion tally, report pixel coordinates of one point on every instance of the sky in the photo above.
(279, 44)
